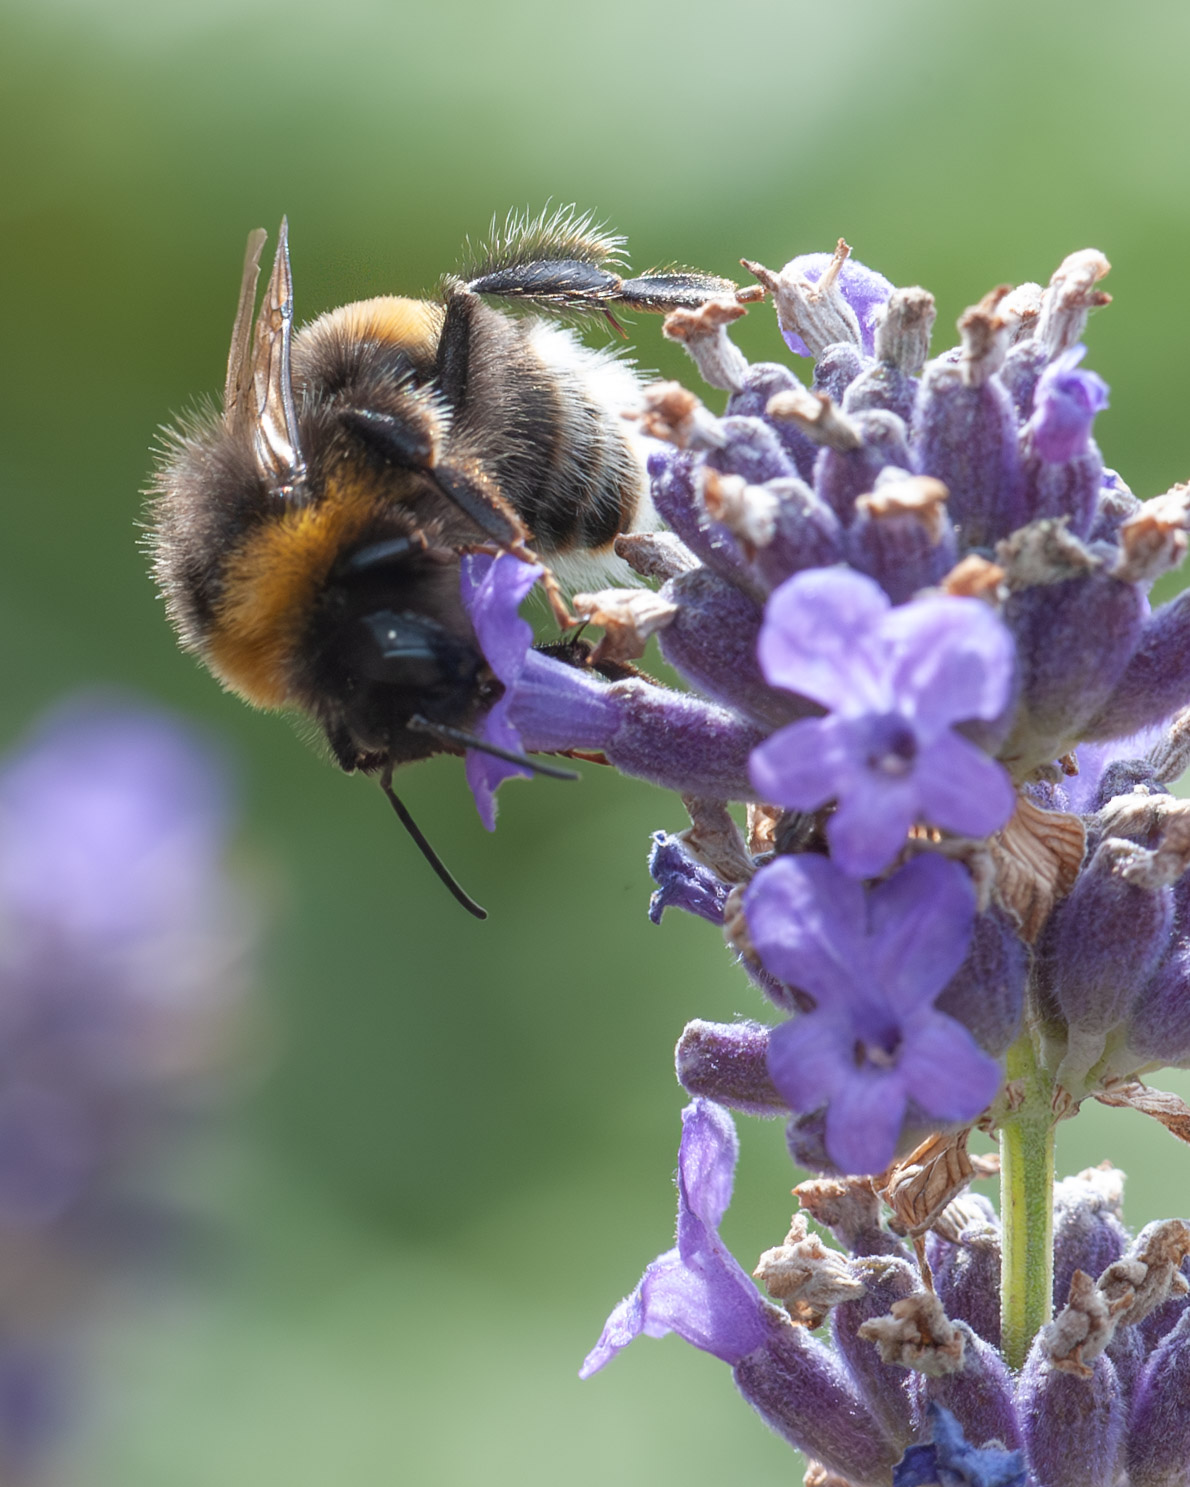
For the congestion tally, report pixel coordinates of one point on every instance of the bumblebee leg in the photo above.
(676, 289)
(568, 284)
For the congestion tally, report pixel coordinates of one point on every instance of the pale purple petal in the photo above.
(707, 1156)
(485, 772)
(628, 1321)
(922, 919)
(556, 707)
(871, 823)
(819, 638)
(492, 590)
(807, 1059)
(697, 1290)
(864, 1119)
(798, 766)
(953, 657)
(807, 921)
(950, 1076)
(962, 790)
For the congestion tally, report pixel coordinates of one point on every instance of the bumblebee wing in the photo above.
(270, 402)
(241, 332)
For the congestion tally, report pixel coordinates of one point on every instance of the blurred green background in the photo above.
(450, 1154)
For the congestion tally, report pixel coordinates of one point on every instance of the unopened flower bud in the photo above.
(712, 641)
(1069, 298)
(1088, 1234)
(676, 483)
(1074, 637)
(980, 1395)
(967, 1277)
(987, 993)
(1159, 1427)
(902, 536)
(843, 475)
(703, 334)
(726, 1063)
(799, 1388)
(1155, 682)
(892, 1391)
(1073, 1425)
(761, 383)
(965, 435)
(1108, 938)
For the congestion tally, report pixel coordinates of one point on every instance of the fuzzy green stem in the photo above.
(1026, 1207)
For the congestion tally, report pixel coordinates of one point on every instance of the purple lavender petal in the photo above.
(961, 789)
(864, 1119)
(921, 923)
(873, 965)
(953, 656)
(803, 1059)
(863, 288)
(707, 1159)
(697, 1290)
(556, 707)
(484, 772)
(895, 679)
(815, 639)
(492, 590)
(871, 823)
(799, 766)
(1064, 407)
(952, 1078)
(807, 922)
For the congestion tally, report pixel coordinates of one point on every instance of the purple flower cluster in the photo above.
(121, 957)
(912, 1390)
(911, 606)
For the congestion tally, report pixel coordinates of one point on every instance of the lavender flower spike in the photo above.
(697, 1289)
(874, 962)
(895, 682)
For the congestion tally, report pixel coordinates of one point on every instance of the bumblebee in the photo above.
(307, 539)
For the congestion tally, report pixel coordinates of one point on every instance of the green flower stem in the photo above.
(1026, 1207)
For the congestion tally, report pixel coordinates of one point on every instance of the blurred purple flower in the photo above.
(121, 952)
(874, 961)
(895, 682)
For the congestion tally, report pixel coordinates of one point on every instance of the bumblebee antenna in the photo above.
(418, 724)
(436, 862)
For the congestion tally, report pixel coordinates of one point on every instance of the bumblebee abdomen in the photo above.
(548, 413)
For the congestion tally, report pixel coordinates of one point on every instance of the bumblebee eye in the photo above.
(410, 652)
